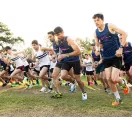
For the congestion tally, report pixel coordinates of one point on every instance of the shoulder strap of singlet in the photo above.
(106, 25)
(97, 30)
(59, 42)
(129, 44)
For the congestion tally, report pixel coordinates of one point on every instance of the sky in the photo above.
(32, 19)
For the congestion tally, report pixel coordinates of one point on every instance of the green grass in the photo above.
(32, 103)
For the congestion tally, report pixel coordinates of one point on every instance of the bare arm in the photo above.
(101, 59)
(114, 28)
(46, 49)
(97, 52)
(96, 41)
(33, 57)
(76, 49)
(81, 60)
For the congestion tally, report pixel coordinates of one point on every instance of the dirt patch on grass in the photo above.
(60, 112)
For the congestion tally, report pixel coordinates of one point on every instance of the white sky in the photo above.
(32, 19)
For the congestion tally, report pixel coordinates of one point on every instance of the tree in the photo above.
(47, 43)
(84, 44)
(7, 38)
(28, 53)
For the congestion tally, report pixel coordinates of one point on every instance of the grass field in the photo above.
(20, 102)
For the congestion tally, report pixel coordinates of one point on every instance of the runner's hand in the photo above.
(119, 52)
(61, 56)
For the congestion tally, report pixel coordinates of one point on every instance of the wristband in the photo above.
(121, 46)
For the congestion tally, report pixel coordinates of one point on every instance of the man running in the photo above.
(89, 68)
(69, 56)
(96, 59)
(107, 35)
(44, 63)
(127, 52)
(57, 69)
(13, 57)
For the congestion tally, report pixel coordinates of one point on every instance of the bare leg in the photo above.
(80, 83)
(66, 77)
(42, 76)
(55, 76)
(16, 71)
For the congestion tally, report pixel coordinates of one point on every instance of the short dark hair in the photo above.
(51, 32)
(98, 15)
(35, 42)
(58, 30)
(7, 48)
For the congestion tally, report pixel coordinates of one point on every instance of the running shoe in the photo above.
(73, 87)
(4, 84)
(117, 102)
(125, 87)
(84, 96)
(57, 95)
(43, 90)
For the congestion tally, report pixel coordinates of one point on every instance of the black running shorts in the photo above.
(76, 66)
(89, 72)
(127, 66)
(58, 65)
(113, 62)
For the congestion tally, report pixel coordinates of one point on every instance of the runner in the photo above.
(89, 68)
(41, 54)
(107, 35)
(127, 57)
(57, 69)
(4, 66)
(69, 56)
(102, 71)
(27, 70)
(13, 57)
(96, 59)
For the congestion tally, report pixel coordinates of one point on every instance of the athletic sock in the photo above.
(123, 82)
(117, 95)
(50, 88)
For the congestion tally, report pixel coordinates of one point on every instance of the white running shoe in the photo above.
(43, 90)
(84, 96)
(73, 87)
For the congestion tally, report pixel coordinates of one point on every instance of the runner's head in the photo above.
(8, 49)
(86, 56)
(121, 40)
(59, 33)
(98, 19)
(51, 36)
(93, 47)
(35, 44)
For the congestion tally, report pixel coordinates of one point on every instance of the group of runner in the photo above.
(110, 55)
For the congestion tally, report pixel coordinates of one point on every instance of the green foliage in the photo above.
(7, 38)
(28, 53)
(84, 44)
